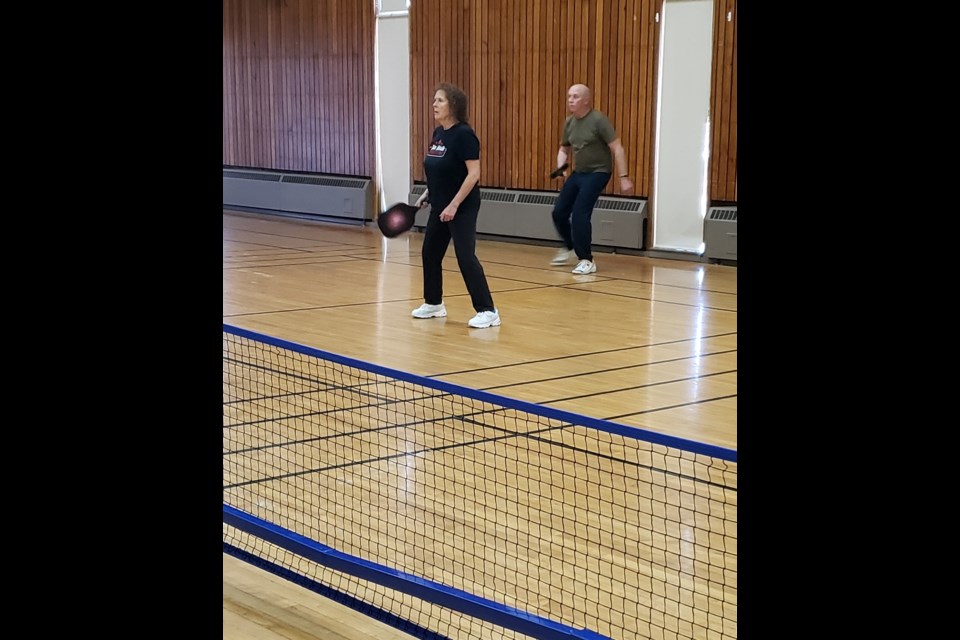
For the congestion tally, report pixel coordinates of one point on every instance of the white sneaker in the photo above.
(564, 256)
(485, 319)
(584, 267)
(429, 311)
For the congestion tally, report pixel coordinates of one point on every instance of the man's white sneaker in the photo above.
(429, 311)
(485, 319)
(584, 267)
(564, 256)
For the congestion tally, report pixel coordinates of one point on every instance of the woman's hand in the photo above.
(447, 214)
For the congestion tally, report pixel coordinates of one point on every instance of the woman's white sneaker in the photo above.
(429, 311)
(485, 319)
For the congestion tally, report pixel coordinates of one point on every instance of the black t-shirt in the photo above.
(446, 167)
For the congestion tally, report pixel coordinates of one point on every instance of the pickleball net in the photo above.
(450, 512)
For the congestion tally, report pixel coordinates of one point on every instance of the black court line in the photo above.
(322, 382)
(610, 369)
(675, 406)
(319, 255)
(389, 401)
(579, 285)
(377, 401)
(639, 386)
(326, 387)
(551, 268)
(573, 286)
(295, 237)
(508, 434)
(282, 258)
(583, 355)
(267, 247)
(266, 266)
(466, 417)
(332, 260)
(601, 277)
(319, 251)
(385, 401)
(356, 304)
(531, 286)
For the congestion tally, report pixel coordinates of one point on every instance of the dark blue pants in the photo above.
(579, 194)
(436, 239)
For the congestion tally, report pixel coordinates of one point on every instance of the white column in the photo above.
(392, 81)
(679, 198)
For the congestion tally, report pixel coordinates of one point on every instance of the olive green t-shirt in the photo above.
(590, 137)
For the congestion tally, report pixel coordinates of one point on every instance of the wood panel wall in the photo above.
(516, 60)
(298, 83)
(723, 110)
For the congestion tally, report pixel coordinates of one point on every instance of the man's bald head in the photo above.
(579, 100)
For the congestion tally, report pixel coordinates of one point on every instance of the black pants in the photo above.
(463, 230)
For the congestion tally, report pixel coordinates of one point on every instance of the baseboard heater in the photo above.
(337, 198)
(617, 222)
(720, 233)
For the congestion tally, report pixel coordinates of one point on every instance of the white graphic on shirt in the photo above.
(438, 149)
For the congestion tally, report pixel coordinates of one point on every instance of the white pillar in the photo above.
(679, 199)
(392, 82)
